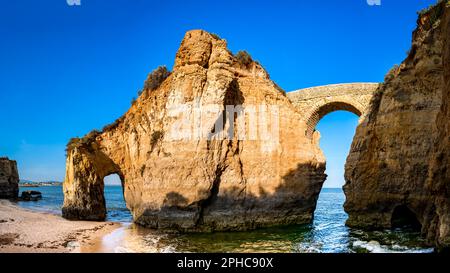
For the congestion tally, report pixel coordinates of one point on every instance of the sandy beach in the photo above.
(23, 230)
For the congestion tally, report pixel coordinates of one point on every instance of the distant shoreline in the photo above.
(51, 184)
(39, 184)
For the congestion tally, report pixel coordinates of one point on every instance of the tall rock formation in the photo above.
(174, 178)
(9, 179)
(439, 179)
(397, 169)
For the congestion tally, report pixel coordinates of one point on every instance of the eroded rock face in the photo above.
(399, 156)
(398, 164)
(198, 184)
(9, 179)
(439, 179)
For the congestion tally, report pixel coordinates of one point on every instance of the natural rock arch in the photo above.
(87, 168)
(316, 102)
(192, 184)
(198, 185)
(235, 185)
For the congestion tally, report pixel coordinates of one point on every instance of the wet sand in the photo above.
(28, 231)
(130, 238)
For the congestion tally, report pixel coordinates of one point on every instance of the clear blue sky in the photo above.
(66, 70)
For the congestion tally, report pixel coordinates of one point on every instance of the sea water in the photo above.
(53, 199)
(327, 233)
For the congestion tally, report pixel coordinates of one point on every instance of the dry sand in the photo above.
(23, 230)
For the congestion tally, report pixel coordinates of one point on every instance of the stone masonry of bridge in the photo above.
(316, 102)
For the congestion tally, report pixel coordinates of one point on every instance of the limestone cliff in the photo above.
(9, 179)
(397, 169)
(176, 179)
(178, 171)
(439, 177)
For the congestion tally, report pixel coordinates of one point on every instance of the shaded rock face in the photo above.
(398, 163)
(439, 178)
(192, 183)
(9, 179)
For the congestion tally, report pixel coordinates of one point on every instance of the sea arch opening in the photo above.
(336, 121)
(114, 197)
(337, 129)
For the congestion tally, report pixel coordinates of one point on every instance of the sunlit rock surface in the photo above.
(174, 178)
(196, 183)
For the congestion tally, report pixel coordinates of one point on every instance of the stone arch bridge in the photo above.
(316, 102)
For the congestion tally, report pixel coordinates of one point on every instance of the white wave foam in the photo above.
(376, 247)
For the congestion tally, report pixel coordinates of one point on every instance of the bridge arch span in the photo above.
(316, 102)
(327, 108)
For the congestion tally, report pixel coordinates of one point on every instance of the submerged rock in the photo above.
(31, 196)
(9, 179)
(398, 169)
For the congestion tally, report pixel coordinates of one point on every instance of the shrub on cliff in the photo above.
(82, 142)
(244, 58)
(156, 136)
(434, 13)
(391, 74)
(156, 77)
(215, 36)
(281, 90)
(113, 125)
(429, 8)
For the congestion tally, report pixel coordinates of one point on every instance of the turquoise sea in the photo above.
(327, 233)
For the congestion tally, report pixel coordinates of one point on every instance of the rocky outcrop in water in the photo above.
(31, 196)
(176, 177)
(9, 179)
(397, 170)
